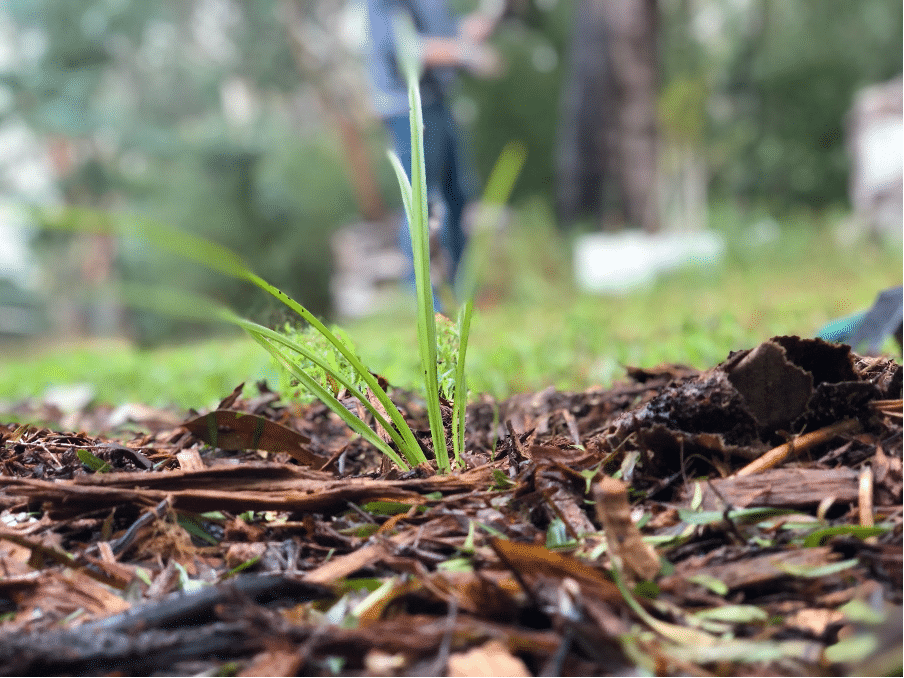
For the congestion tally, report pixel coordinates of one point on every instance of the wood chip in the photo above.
(490, 659)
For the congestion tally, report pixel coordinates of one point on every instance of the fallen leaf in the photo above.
(228, 429)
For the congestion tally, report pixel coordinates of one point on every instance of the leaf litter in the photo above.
(745, 520)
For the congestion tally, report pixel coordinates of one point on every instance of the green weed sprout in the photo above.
(496, 194)
(281, 347)
(294, 355)
(414, 199)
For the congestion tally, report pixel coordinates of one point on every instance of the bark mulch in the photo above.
(745, 520)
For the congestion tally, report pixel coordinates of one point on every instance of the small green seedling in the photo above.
(326, 366)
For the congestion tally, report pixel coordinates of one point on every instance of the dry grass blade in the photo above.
(777, 455)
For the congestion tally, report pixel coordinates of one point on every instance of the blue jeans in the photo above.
(445, 177)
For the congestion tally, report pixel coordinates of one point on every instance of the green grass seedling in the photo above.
(285, 351)
(496, 194)
(414, 199)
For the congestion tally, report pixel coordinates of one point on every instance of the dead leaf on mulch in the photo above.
(190, 554)
(230, 429)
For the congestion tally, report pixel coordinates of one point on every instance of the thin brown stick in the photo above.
(893, 404)
(800, 444)
(92, 567)
(865, 499)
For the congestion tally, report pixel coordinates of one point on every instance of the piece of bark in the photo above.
(86, 652)
(796, 488)
(748, 571)
(196, 608)
(624, 539)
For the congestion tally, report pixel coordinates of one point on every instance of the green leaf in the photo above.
(492, 531)
(242, 566)
(330, 401)
(647, 589)
(557, 535)
(810, 572)
(858, 611)
(386, 508)
(374, 597)
(503, 482)
(358, 584)
(860, 531)
(186, 583)
(468, 545)
(717, 586)
(461, 564)
(736, 614)
(192, 526)
(741, 515)
(93, 462)
(144, 576)
(853, 649)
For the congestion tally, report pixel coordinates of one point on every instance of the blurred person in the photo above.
(446, 44)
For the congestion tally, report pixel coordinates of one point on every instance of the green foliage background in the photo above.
(762, 97)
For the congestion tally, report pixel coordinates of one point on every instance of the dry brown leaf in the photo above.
(622, 535)
(815, 620)
(531, 560)
(276, 662)
(228, 429)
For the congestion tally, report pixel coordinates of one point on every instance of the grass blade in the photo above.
(420, 246)
(183, 304)
(330, 401)
(414, 456)
(498, 189)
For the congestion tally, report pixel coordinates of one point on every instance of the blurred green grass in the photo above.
(533, 329)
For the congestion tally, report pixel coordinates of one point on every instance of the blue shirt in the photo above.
(431, 18)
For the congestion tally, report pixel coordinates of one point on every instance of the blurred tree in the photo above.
(194, 113)
(783, 77)
(608, 127)
(522, 105)
(328, 71)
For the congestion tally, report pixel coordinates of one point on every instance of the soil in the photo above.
(745, 520)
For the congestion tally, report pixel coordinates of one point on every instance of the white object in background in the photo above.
(875, 133)
(617, 263)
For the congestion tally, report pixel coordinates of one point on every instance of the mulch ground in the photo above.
(745, 520)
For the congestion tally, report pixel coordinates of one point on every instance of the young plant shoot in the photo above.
(414, 198)
(352, 375)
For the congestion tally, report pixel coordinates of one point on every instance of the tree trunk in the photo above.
(581, 156)
(608, 126)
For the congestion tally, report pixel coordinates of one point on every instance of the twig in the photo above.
(865, 499)
(893, 404)
(800, 444)
(442, 656)
(92, 567)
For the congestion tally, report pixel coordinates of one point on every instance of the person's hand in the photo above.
(476, 27)
(479, 59)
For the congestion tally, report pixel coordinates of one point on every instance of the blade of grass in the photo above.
(414, 456)
(225, 261)
(498, 189)
(183, 304)
(330, 401)
(420, 246)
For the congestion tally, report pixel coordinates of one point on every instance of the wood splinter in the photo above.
(799, 444)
